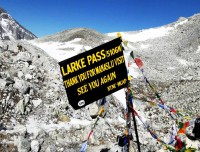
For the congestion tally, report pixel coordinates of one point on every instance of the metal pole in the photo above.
(130, 98)
(136, 132)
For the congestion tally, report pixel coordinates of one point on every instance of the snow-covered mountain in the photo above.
(34, 111)
(10, 29)
(70, 42)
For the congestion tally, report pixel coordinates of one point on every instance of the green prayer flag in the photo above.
(132, 54)
(180, 125)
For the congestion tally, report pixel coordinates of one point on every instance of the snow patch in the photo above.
(75, 40)
(180, 23)
(144, 34)
(120, 95)
(4, 23)
(144, 46)
(61, 50)
(34, 126)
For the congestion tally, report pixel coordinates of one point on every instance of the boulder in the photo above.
(28, 77)
(36, 102)
(20, 129)
(64, 118)
(20, 107)
(23, 145)
(20, 74)
(93, 110)
(2, 84)
(21, 85)
(35, 145)
(51, 148)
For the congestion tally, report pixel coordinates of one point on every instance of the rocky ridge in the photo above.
(10, 29)
(88, 37)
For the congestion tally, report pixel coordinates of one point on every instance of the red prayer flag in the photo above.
(138, 62)
(179, 144)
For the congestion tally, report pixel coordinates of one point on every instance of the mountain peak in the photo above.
(2, 10)
(10, 29)
(87, 37)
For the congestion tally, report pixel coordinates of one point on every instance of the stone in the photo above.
(51, 148)
(31, 67)
(20, 74)
(28, 109)
(20, 129)
(28, 77)
(20, 107)
(64, 118)
(2, 84)
(36, 103)
(53, 135)
(23, 56)
(2, 127)
(64, 105)
(1, 110)
(21, 85)
(9, 81)
(35, 145)
(26, 99)
(145, 142)
(93, 109)
(23, 145)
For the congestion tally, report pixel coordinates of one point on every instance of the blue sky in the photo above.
(45, 17)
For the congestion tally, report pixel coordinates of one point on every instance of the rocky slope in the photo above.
(34, 111)
(10, 29)
(34, 108)
(173, 61)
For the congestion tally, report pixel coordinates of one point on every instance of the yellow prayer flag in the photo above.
(187, 117)
(129, 78)
(119, 35)
(101, 111)
(125, 43)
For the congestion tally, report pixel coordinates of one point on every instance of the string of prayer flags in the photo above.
(84, 146)
(170, 110)
(173, 113)
(139, 63)
(152, 133)
(100, 114)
